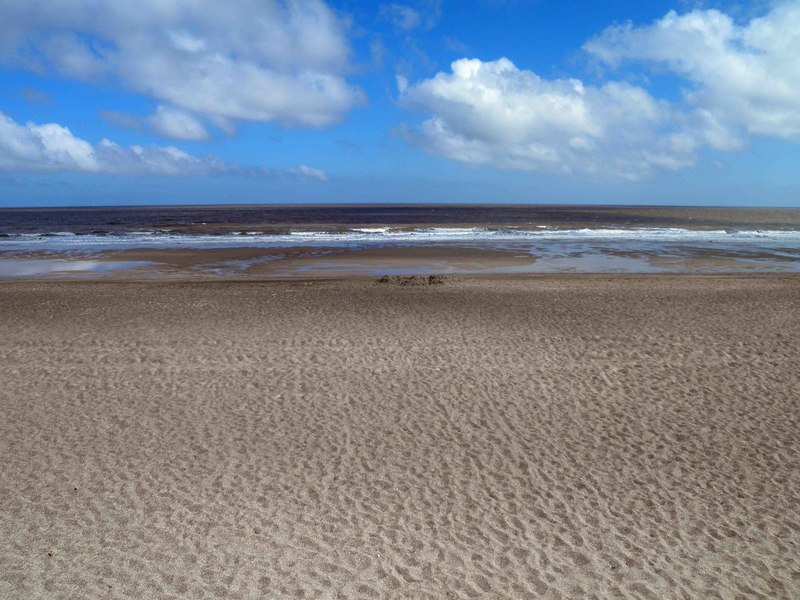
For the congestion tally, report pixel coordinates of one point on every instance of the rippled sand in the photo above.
(585, 437)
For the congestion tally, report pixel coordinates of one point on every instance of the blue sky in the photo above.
(197, 101)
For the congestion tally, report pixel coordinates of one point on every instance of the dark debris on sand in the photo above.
(413, 279)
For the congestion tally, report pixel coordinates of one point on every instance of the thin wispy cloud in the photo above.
(424, 14)
(35, 96)
(402, 16)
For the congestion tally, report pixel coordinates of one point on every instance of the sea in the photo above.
(542, 238)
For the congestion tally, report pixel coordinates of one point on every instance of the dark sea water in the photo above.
(554, 238)
(217, 220)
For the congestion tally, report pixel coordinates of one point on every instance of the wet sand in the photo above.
(348, 260)
(538, 437)
(326, 261)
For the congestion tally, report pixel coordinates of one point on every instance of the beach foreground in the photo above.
(546, 437)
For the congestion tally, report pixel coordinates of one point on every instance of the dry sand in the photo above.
(551, 437)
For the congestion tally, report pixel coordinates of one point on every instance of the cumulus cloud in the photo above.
(495, 113)
(53, 147)
(260, 60)
(742, 80)
(745, 76)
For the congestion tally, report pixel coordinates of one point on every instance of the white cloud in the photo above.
(743, 80)
(45, 146)
(260, 60)
(307, 172)
(494, 113)
(177, 124)
(53, 147)
(742, 76)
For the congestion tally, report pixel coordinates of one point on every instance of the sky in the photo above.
(111, 102)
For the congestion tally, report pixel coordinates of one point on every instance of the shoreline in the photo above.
(448, 260)
(367, 279)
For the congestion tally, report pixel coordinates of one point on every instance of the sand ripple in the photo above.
(553, 438)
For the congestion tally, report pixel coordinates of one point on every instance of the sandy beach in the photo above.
(539, 437)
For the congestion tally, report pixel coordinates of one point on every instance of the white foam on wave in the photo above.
(378, 235)
(46, 235)
(373, 229)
